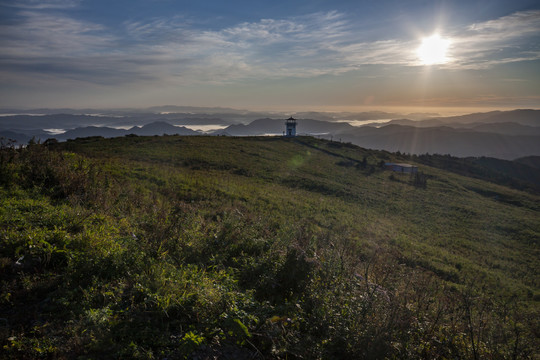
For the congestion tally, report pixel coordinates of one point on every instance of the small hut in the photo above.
(402, 168)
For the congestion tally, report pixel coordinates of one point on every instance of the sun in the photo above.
(433, 50)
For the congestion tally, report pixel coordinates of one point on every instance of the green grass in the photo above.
(153, 247)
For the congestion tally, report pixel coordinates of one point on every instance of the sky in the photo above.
(271, 55)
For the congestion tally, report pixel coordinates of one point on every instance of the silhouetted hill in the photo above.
(417, 123)
(8, 135)
(87, 131)
(22, 136)
(160, 128)
(190, 109)
(56, 121)
(155, 128)
(470, 118)
(532, 161)
(444, 140)
(520, 116)
(507, 128)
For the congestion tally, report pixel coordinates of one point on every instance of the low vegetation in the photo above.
(521, 174)
(259, 247)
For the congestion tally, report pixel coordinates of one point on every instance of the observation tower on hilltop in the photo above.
(290, 124)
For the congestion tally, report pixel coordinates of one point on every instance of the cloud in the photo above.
(304, 46)
(318, 44)
(300, 46)
(43, 43)
(517, 24)
(41, 34)
(42, 4)
(173, 51)
(499, 41)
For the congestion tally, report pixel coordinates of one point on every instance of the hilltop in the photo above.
(263, 247)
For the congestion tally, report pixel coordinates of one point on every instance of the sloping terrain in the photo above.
(532, 161)
(444, 140)
(521, 174)
(259, 247)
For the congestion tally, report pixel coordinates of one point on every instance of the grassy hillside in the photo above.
(180, 247)
(519, 174)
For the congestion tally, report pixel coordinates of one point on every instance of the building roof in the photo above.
(401, 165)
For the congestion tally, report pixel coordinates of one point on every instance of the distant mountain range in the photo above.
(155, 128)
(499, 134)
(525, 117)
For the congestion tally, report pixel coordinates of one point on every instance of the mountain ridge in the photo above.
(502, 134)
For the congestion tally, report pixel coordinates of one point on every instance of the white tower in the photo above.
(290, 127)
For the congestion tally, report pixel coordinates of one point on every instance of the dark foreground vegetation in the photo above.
(245, 248)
